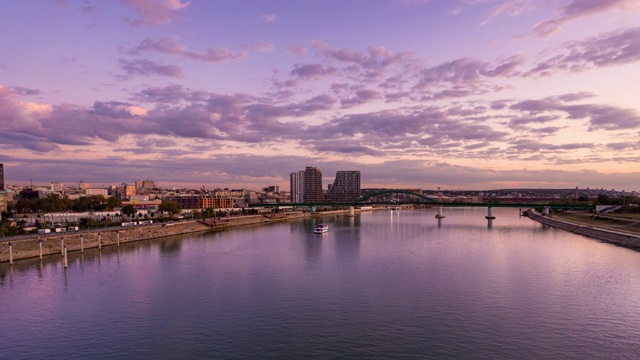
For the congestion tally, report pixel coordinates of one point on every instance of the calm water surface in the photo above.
(380, 285)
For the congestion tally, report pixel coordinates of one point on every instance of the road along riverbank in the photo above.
(54, 244)
(623, 239)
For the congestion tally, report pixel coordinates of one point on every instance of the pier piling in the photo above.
(81, 243)
(66, 263)
(62, 246)
(40, 248)
(10, 254)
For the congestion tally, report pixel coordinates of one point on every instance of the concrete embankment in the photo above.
(626, 240)
(51, 245)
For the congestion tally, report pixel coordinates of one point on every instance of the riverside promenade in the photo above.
(616, 237)
(52, 244)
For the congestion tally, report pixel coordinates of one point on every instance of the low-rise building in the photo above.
(204, 201)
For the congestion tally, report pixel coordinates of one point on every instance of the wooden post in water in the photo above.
(118, 237)
(66, 263)
(489, 214)
(10, 254)
(81, 243)
(61, 245)
(40, 248)
(99, 242)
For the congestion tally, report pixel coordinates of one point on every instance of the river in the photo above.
(385, 284)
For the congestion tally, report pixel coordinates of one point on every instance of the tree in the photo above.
(128, 210)
(170, 206)
(113, 202)
(604, 199)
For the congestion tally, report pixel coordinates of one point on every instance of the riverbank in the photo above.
(52, 245)
(591, 227)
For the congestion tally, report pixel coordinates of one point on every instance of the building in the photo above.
(57, 187)
(148, 184)
(346, 187)
(204, 201)
(312, 185)
(138, 185)
(1, 177)
(129, 190)
(293, 187)
(95, 192)
(83, 185)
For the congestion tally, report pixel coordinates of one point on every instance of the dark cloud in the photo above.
(147, 67)
(313, 71)
(25, 91)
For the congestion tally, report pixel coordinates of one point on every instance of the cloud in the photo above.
(25, 91)
(170, 94)
(469, 71)
(297, 50)
(610, 49)
(261, 46)
(267, 18)
(169, 45)
(313, 71)
(599, 117)
(155, 12)
(147, 67)
(509, 8)
(604, 117)
(576, 9)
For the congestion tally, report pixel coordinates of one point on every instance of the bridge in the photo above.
(367, 200)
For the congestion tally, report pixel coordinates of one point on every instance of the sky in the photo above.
(456, 94)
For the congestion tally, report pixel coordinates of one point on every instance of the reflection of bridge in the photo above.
(367, 200)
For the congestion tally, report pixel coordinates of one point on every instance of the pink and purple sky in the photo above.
(460, 94)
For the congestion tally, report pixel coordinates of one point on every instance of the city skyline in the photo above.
(463, 94)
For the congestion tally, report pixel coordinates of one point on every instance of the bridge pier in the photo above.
(545, 211)
(352, 211)
(439, 215)
(489, 214)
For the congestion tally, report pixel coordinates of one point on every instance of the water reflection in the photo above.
(170, 246)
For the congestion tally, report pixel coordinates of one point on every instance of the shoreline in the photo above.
(23, 249)
(618, 238)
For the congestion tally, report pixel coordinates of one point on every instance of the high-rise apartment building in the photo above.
(293, 187)
(1, 177)
(57, 186)
(313, 185)
(138, 185)
(346, 187)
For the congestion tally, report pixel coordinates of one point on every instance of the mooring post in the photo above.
(440, 216)
(81, 243)
(99, 241)
(352, 211)
(489, 214)
(118, 236)
(10, 254)
(62, 246)
(66, 263)
(40, 248)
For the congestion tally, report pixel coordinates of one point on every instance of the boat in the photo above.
(321, 229)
